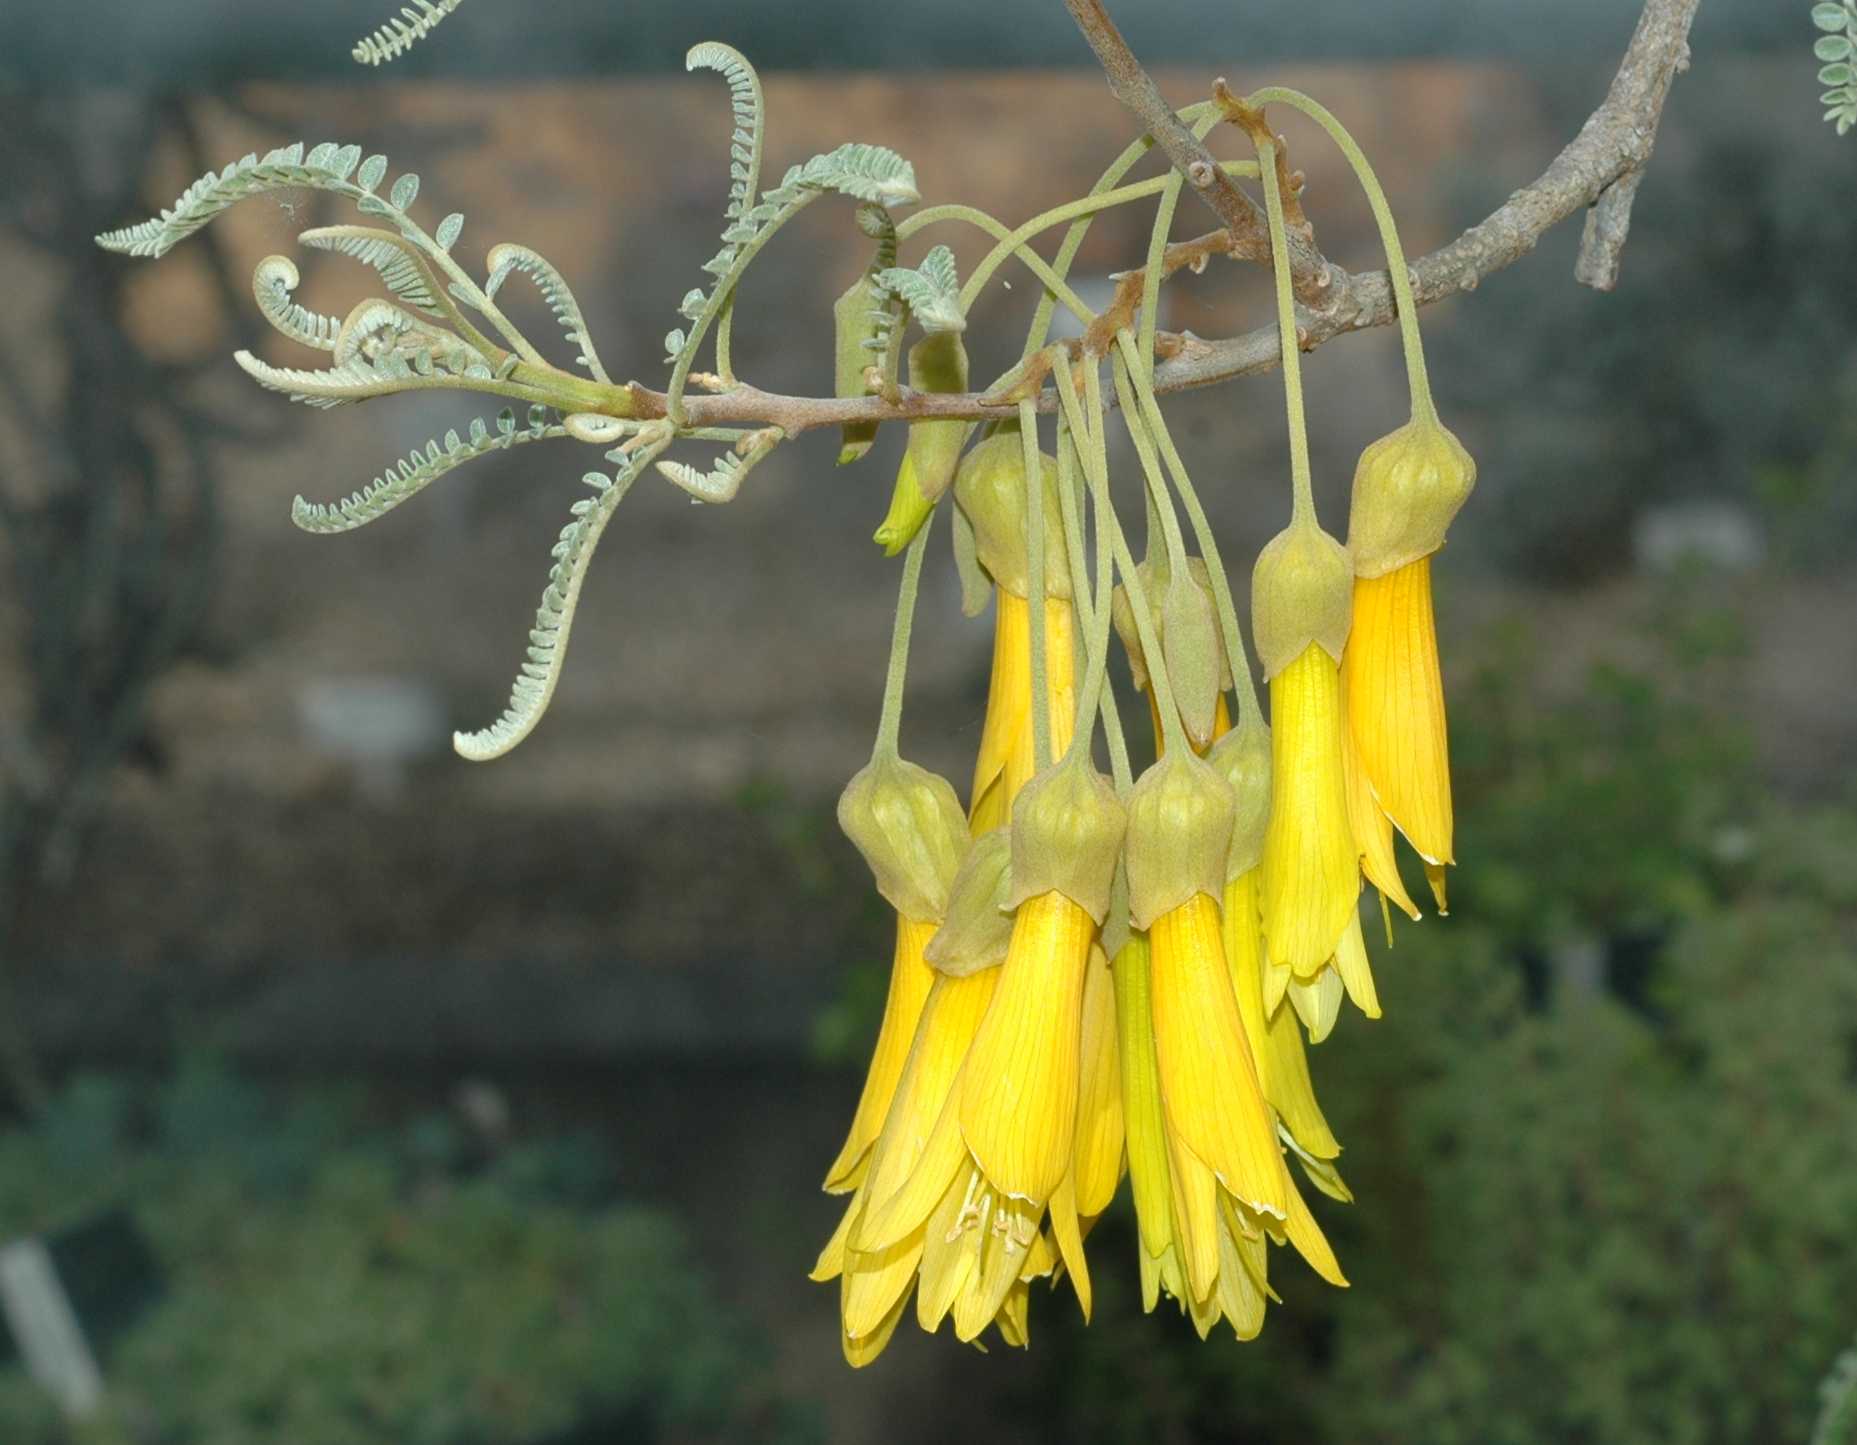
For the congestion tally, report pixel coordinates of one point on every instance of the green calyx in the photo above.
(1408, 486)
(1302, 591)
(977, 925)
(1067, 830)
(908, 824)
(1242, 758)
(990, 488)
(1179, 832)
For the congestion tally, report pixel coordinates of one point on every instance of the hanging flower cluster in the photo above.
(1102, 974)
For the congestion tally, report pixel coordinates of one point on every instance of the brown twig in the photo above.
(1136, 89)
(1599, 168)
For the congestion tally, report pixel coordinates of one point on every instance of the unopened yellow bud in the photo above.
(908, 824)
(991, 491)
(909, 509)
(977, 924)
(1242, 758)
(1407, 487)
(937, 363)
(1067, 830)
(1302, 592)
(1179, 831)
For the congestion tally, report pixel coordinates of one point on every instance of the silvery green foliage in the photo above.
(416, 472)
(507, 259)
(393, 39)
(272, 285)
(1837, 48)
(874, 174)
(535, 684)
(750, 110)
(1837, 1416)
(932, 291)
(886, 307)
(327, 168)
(720, 485)
(395, 258)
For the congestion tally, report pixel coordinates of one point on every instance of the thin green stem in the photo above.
(1396, 269)
(1171, 728)
(1157, 249)
(720, 298)
(1303, 506)
(1035, 581)
(891, 723)
(1150, 465)
(1036, 264)
(1236, 659)
(1073, 239)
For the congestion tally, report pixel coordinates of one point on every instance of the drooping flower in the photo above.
(1311, 872)
(1407, 488)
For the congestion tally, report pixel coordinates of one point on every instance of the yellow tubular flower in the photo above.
(1276, 1042)
(1395, 699)
(1005, 764)
(1208, 1080)
(1019, 1088)
(1311, 873)
(910, 978)
(1144, 1118)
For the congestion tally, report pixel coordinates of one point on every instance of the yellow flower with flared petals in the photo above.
(1395, 702)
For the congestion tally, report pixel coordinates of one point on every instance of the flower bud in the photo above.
(991, 490)
(977, 925)
(1179, 832)
(1189, 641)
(854, 327)
(909, 509)
(909, 826)
(1407, 487)
(1302, 592)
(1242, 758)
(937, 363)
(1066, 836)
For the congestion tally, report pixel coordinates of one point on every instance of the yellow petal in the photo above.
(910, 978)
(1019, 1085)
(1143, 1117)
(950, 1018)
(1008, 1227)
(908, 1209)
(950, 1253)
(1070, 1242)
(1311, 872)
(1241, 1292)
(1396, 705)
(1373, 830)
(872, 1284)
(1208, 1080)
(1277, 978)
(1097, 1153)
(1310, 1242)
(860, 1352)
(1013, 1318)
(1005, 761)
(831, 1261)
(1351, 965)
(1196, 1218)
(1276, 1046)
(1318, 1003)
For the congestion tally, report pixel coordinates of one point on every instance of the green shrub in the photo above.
(336, 1284)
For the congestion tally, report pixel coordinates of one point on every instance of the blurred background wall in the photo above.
(1610, 1110)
